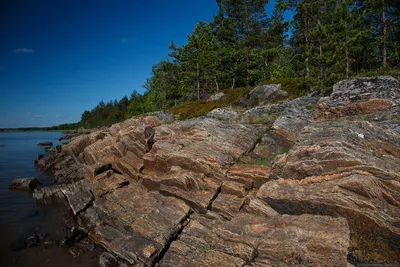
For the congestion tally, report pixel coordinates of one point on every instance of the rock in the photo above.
(66, 137)
(48, 195)
(249, 175)
(48, 143)
(360, 96)
(32, 241)
(107, 260)
(162, 116)
(267, 147)
(196, 145)
(268, 92)
(173, 194)
(38, 158)
(73, 236)
(300, 110)
(251, 240)
(148, 223)
(368, 203)
(224, 114)
(348, 168)
(216, 96)
(24, 183)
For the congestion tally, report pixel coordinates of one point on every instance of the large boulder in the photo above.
(224, 114)
(216, 96)
(46, 143)
(360, 97)
(24, 183)
(268, 92)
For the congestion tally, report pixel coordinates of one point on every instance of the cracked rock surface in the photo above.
(159, 193)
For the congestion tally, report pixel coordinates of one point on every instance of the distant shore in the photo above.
(30, 129)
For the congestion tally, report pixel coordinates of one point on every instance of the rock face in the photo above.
(251, 240)
(347, 166)
(156, 193)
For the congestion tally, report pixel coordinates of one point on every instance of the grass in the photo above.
(266, 161)
(194, 109)
(207, 248)
(239, 97)
(395, 72)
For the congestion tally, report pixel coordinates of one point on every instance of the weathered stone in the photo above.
(48, 195)
(268, 92)
(174, 195)
(325, 147)
(256, 173)
(24, 183)
(234, 188)
(227, 205)
(38, 158)
(79, 195)
(216, 96)
(251, 240)
(267, 147)
(224, 114)
(371, 206)
(134, 223)
(344, 168)
(360, 96)
(199, 145)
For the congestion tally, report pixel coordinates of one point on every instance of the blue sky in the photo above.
(60, 57)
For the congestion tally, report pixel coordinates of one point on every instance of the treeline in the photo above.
(326, 41)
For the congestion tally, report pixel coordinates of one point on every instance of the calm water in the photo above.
(19, 217)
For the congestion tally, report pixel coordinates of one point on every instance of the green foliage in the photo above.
(266, 161)
(242, 46)
(194, 109)
(395, 72)
(207, 248)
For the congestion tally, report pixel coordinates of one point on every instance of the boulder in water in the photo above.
(25, 183)
(48, 143)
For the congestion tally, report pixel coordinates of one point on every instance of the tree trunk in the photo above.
(216, 83)
(321, 65)
(306, 21)
(233, 83)
(198, 81)
(347, 62)
(384, 33)
(247, 42)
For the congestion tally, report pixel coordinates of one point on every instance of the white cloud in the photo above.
(23, 50)
(58, 116)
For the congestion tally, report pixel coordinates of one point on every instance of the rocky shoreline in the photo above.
(200, 192)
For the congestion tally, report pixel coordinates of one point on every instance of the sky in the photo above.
(61, 57)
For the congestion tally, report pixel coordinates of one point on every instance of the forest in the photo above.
(243, 46)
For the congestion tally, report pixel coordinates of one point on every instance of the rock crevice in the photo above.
(157, 194)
